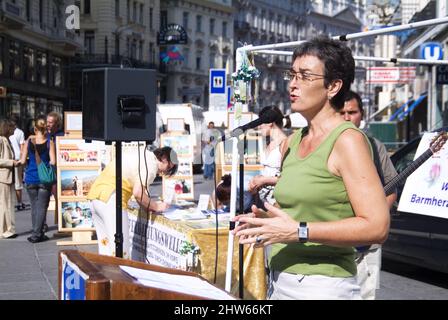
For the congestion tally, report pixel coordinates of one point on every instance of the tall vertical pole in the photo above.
(430, 100)
(118, 194)
(434, 97)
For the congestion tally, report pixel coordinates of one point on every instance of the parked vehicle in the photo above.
(416, 239)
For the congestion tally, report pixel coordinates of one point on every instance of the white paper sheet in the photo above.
(177, 283)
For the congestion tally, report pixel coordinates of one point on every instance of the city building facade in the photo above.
(118, 33)
(209, 28)
(259, 22)
(35, 49)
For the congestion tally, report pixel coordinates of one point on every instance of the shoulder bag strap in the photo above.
(38, 160)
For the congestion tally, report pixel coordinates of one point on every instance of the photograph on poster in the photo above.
(179, 143)
(76, 152)
(76, 215)
(77, 183)
(183, 188)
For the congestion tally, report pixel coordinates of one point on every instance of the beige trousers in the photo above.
(7, 214)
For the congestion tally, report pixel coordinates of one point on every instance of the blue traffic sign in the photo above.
(431, 51)
(217, 80)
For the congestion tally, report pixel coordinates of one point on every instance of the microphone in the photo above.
(267, 117)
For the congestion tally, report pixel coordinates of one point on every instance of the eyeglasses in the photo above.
(301, 75)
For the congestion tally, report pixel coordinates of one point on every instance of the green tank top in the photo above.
(308, 192)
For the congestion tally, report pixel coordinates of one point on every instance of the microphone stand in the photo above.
(242, 148)
(238, 149)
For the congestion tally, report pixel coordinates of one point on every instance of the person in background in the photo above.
(208, 156)
(222, 194)
(17, 141)
(263, 185)
(70, 220)
(329, 196)
(138, 173)
(209, 140)
(38, 192)
(54, 129)
(368, 258)
(54, 125)
(7, 165)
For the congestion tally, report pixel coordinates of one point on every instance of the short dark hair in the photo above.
(223, 188)
(14, 118)
(278, 114)
(338, 63)
(170, 155)
(353, 95)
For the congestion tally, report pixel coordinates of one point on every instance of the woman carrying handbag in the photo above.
(39, 177)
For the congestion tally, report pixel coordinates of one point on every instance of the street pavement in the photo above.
(30, 271)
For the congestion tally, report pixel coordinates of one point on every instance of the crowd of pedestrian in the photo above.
(22, 161)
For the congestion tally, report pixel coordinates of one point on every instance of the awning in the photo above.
(402, 111)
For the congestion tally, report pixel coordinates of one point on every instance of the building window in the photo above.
(186, 52)
(152, 53)
(134, 11)
(56, 67)
(141, 13)
(89, 42)
(28, 64)
(134, 49)
(198, 61)
(14, 60)
(128, 10)
(185, 20)
(198, 23)
(224, 29)
(117, 45)
(212, 26)
(140, 50)
(41, 67)
(1, 55)
(87, 6)
(28, 10)
(163, 19)
(224, 61)
(212, 59)
(128, 47)
(117, 8)
(151, 18)
(41, 14)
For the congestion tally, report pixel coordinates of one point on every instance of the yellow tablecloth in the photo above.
(202, 233)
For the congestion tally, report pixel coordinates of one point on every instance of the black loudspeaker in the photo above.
(119, 104)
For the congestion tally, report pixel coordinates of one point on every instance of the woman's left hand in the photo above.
(277, 227)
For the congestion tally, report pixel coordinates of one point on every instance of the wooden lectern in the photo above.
(98, 277)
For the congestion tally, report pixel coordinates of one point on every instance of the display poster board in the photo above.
(73, 122)
(246, 117)
(252, 157)
(425, 191)
(181, 184)
(175, 124)
(79, 164)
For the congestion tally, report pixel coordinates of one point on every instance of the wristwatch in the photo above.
(302, 230)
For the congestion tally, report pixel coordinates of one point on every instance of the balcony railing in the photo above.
(92, 59)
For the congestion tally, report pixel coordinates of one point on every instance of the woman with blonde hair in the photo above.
(7, 164)
(40, 148)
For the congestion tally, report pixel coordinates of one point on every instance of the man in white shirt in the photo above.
(17, 140)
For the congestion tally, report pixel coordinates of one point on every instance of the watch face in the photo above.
(303, 233)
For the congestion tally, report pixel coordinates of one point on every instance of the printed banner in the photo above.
(161, 243)
(426, 190)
